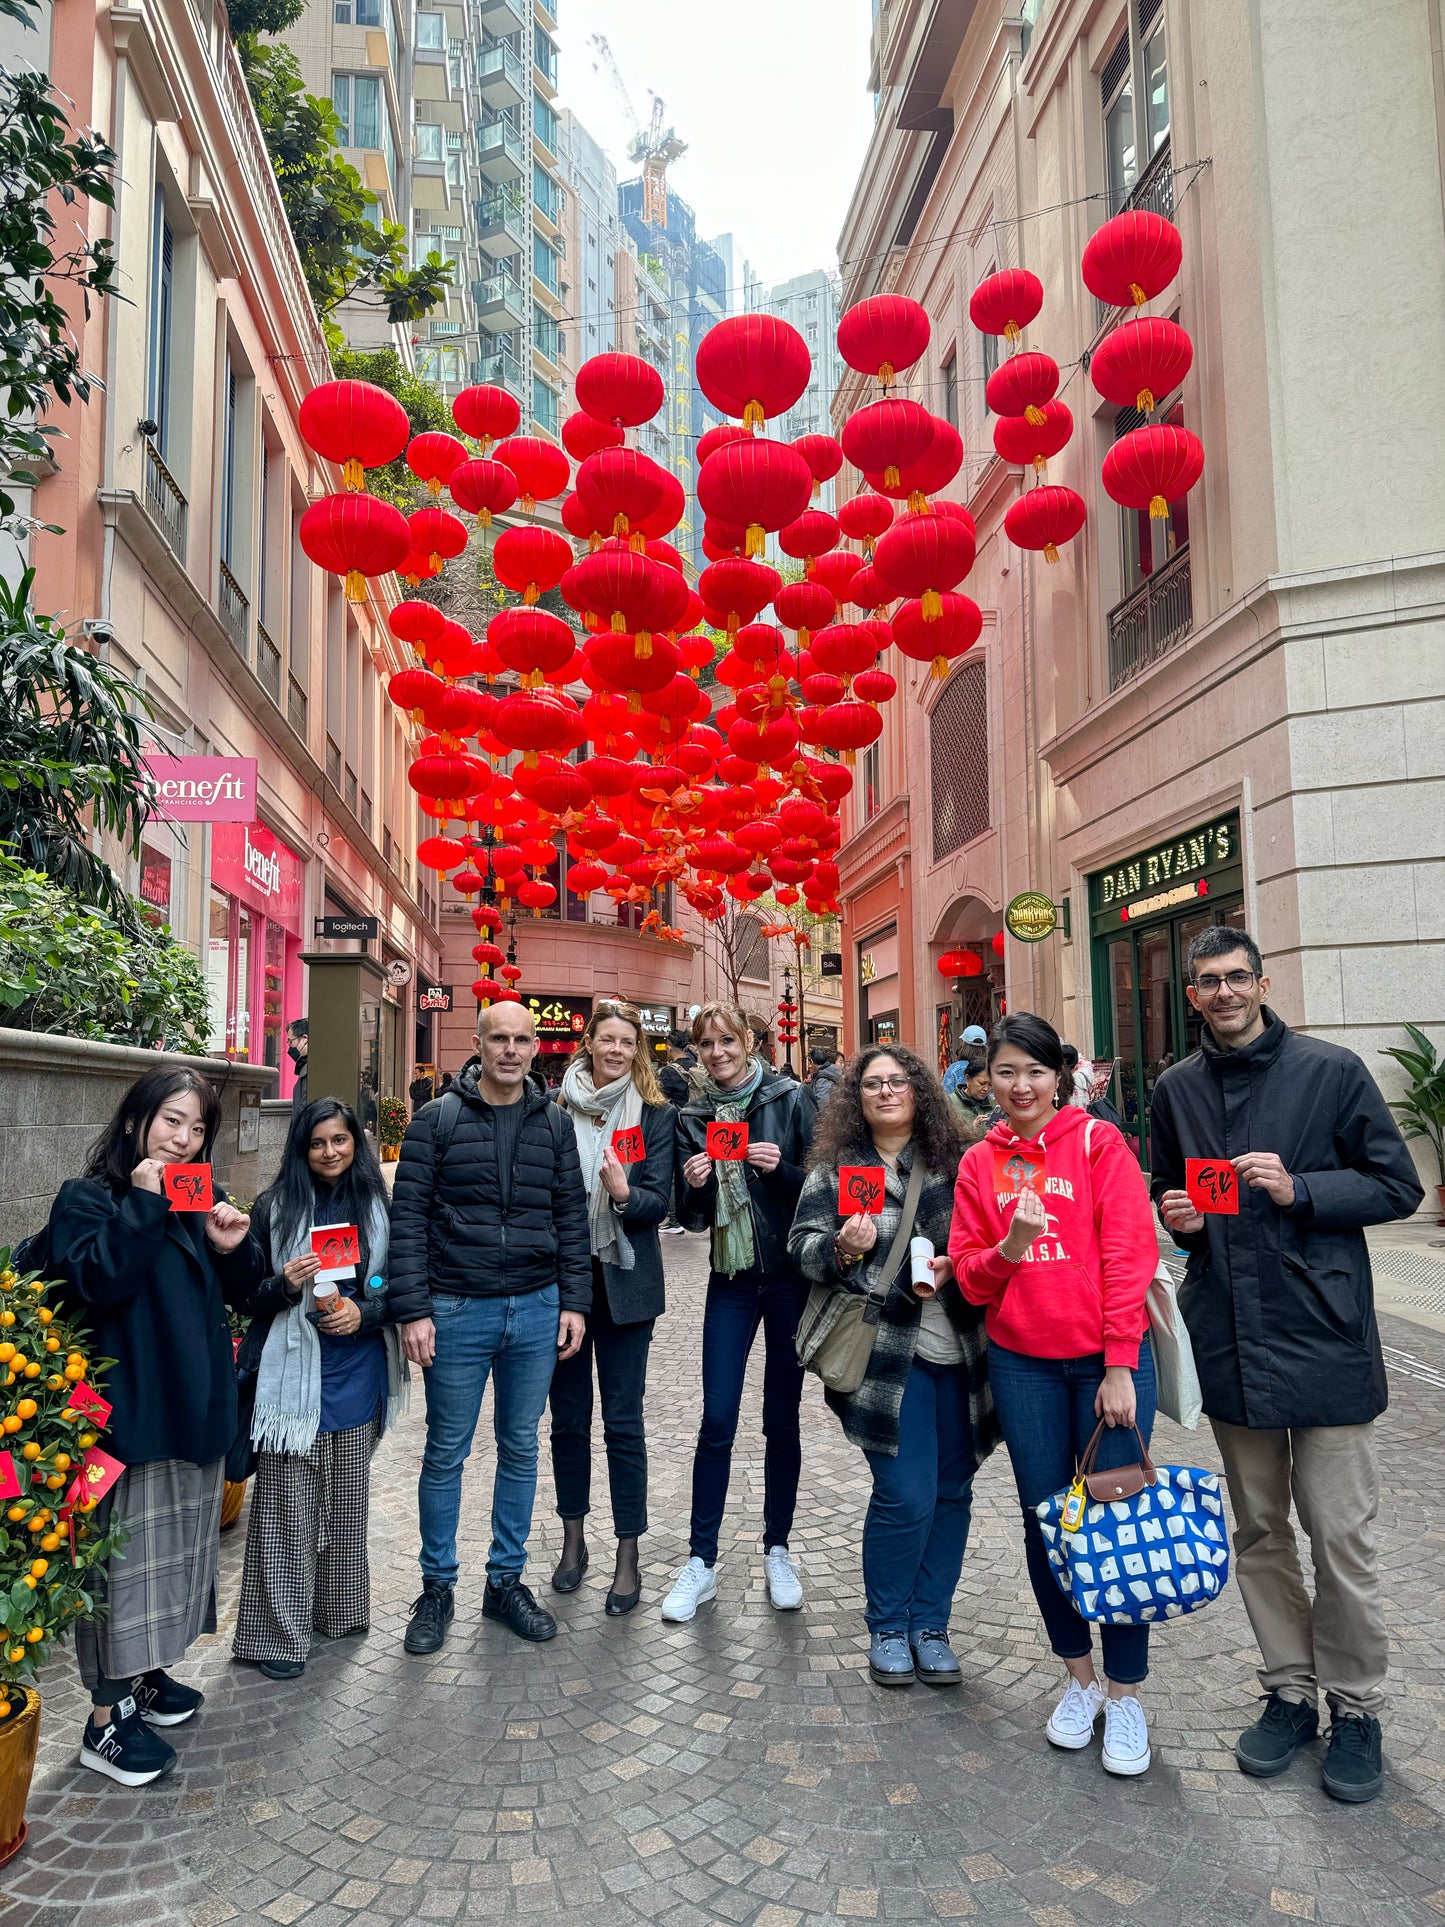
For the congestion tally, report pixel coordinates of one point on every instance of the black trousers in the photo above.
(621, 1355)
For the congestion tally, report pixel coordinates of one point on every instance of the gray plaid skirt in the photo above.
(158, 1593)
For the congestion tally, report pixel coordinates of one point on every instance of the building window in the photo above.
(545, 193)
(544, 123)
(544, 406)
(544, 263)
(870, 783)
(162, 322)
(428, 140)
(431, 32)
(950, 388)
(1150, 542)
(368, 12)
(1134, 91)
(228, 465)
(958, 759)
(357, 100)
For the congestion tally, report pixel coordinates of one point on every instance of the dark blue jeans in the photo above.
(1046, 1411)
(734, 1310)
(917, 1524)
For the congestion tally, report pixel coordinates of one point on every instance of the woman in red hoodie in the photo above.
(1053, 1233)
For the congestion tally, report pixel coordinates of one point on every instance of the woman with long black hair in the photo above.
(327, 1380)
(152, 1283)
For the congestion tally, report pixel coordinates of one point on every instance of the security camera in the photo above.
(150, 429)
(99, 629)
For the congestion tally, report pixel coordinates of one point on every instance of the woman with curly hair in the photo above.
(923, 1415)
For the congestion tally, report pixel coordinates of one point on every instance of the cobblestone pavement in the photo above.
(743, 1769)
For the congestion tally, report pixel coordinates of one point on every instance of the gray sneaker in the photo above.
(889, 1660)
(934, 1660)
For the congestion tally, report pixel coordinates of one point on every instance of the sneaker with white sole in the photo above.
(1126, 1737)
(125, 1749)
(693, 1587)
(1071, 1724)
(785, 1588)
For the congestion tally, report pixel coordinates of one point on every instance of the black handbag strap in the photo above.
(898, 1250)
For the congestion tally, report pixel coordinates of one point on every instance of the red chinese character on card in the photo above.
(98, 1473)
(83, 1398)
(1018, 1168)
(188, 1186)
(860, 1188)
(727, 1141)
(1213, 1186)
(629, 1146)
(336, 1245)
(9, 1483)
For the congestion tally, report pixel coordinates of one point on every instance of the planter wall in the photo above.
(19, 1738)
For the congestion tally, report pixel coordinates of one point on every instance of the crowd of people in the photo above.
(990, 1286)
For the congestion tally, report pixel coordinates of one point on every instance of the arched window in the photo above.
(958, 754)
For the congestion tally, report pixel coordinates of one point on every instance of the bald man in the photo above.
(490, 1274)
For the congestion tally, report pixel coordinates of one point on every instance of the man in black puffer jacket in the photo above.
(490, 1271)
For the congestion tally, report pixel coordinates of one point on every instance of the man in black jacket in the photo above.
(1299, 1153)
(490, 1271)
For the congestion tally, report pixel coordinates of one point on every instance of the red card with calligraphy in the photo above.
(629, 1146)
(98, 1473)
(727, 1141)
(860, 1188)
(1018, 1168)
(188, 1186)
(336, 1244)
(82, 1398)
(1213, 1186)
(9, 1483)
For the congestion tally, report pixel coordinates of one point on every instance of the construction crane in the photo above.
(654, 147)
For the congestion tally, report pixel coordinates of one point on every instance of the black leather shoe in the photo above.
(569, 1578)
(431, 1614)
(1353, 1767)
(513, 1604)
(1267, 1747)
(619, 1603)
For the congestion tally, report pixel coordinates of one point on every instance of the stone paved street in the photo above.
(743, 1769)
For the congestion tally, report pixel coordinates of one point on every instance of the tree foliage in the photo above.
(425, 410)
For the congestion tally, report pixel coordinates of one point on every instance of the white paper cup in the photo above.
(325, 1296)
(920, 1252)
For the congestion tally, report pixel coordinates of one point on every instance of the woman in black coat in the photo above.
(624, 1128)
(153, 1284)
(747, 1204)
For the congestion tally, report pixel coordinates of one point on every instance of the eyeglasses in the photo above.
(1209, 985)
(871, 1086)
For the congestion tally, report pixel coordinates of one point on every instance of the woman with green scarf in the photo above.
(741, 1182)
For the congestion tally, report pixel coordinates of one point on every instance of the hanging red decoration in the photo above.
(836, 571)
(996, 943)
(1152, 467)
(416, 690)
(417, 623)
(536, 895)
(760, 484)
(628, 591)
(531, 641)
(883, 334)
(621, 389)
(1021, 442)
(715, 438)
(483, 489)
(356, 424)
(843, 649)
(1006, 302)
(863, 518)
(934, 469)
(1132, 258)
(486, 413)
(887, 435)
(737, 591)
(866, 591)
(617, 488)
(447, 774)
(1022, 385)
(1141, 361)
(695, 653)
(436, 534)
(619, 661)
(418, 568)
(951, 633)
(529, 560)
(530, 722)
(669, 509)
(960, 963)
(755, 366)
(813, 533)
(433, 458)
(823, 455)
(848, 726)
(875, 686)
(439, 853)
(804, 606)
(1045, 517)
(541, 468)
(922, 555)
(354, 536)
(583, 435)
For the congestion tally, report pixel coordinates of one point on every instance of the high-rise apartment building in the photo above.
(809, 303)
(744, 289)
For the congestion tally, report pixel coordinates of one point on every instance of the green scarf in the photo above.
(732, 1231)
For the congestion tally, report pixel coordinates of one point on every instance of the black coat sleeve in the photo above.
(268, 1293)
(103, 1248)
(574, 1241)
(1378, 1182)
(649, 1184)
(785, 1181)
(695, 1207)
(1166, 1163)
(412, 1206)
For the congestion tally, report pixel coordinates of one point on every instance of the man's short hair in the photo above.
(298, 1027)
(678, 1040)
(976, 1058)
(1218, 941)
(820, 1055)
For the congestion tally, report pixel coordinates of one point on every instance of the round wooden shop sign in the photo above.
(1031, 917)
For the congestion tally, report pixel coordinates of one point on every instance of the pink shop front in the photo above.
(253, 944)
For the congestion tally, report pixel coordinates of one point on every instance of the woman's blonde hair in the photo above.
(644, 1071)
(730, 1017)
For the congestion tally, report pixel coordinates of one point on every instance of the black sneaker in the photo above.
(430, 1617)
(126, 1749)
(1353, 1768)
(282, 1668)
(163, 1701)
(1267, 1747)
(513, 1604)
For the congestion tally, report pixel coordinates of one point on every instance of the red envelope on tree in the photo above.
(629, 1145)
(9, 1483)
(727, 1140)
(1213, 1186)
(860, 1188)
(1018, 1168)
(336, 1245)
(188, 1186)
(83, 1398)
(98, 1473)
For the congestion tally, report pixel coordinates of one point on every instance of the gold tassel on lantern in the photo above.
(753, 415)
(1137, 294)
(1035, 415)
(1051, 554)
(1041, 465)
(1158, 509)
(352, 473)
(619, 623)
(1144, 401)
(620, 523)
(527, 503)
(484, 519)
(1011, 331)
(594, 542)
(637, 542)
(356, 585)
(890, 475)
(885, 372)
(940, 668)
(917, 501)
(530, 594)
(931, 605)
(642, 645)
(434, 488)
(755, 541)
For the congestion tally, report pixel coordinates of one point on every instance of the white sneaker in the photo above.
(1126, 1737)
(693, 1587)
(785, 1588)
(1071, 1724)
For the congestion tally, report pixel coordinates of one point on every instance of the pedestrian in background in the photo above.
(923, 1416)
(672, 1075)
(421, 1091)
(1063, 1270)
(298, 1044)
(972, 1097)
(747, 1205)
(1279, 1302)
(611, 1086)
(328, 1381)
(975, 1037)
(826, 1073)
(153, 1285)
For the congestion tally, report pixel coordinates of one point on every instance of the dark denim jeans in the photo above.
(1046, 1410)
(734, 1310)
(917, 1525)
(514, 1341)
(621, 1355)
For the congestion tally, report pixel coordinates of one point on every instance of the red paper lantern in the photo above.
(356, 424)
(1006, 302)
(753, 365)
(446, 775)
(1022, 385)
(621, 389)
(1132, 258)
(1021, 442)
(530, 560)
(996, 943)
(875, 686)
(1045, 517)
(1141, 361)
(486, 413)
(865, 591)
(416, 690)
(619, 662)
(882, 334)
(804, 606)
(630, 592)
(844, 649)
(960, 963)
(836, 571)
(530, 722)
(950, 634)
(536, 895)
(433, 458)
(695, 653)
(863, 518)
(483, 489)
(886, 436)
(583, 435)
(1152, 467)
(354, 536)
(765, 743)
(719, 437)
(541, 468)
(531, 641)
(758, 484)
(436, 534)
(823, 455)
(922, 555)
(617, 488)
(848, 726)
(669, 509)
(416, 622)
(934, 469)
(738, 591)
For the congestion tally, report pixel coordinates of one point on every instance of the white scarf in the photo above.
(596, 1113)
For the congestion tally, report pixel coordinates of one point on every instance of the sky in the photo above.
(770, 96)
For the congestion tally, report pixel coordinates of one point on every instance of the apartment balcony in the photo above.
(234, 609)
(500, 226)
(296, 706)
(501, 79)
(1153, 620)
(500, 154)
(503, 17)
(165, 502)
(268, 663)
(547, 14)
(502, 370)
(500, 305)
(544, 68)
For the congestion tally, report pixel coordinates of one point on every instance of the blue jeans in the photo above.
(917, 1524)
(734, 1310)
(515, 1340)
(1046, 1411)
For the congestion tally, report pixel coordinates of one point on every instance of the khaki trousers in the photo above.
(1336, 1646)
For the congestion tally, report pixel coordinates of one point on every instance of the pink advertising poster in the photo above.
(204, 789)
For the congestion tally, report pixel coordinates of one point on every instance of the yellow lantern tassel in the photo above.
(352, 473)
(529, 759)
(754, 415)
(1144, 401)
(484, 518)
(849, 758)
(619, 623)
(805, 636)
(527, 503)
(434, 488)
(530, 594)
(1158, 509)
(917, 501)
(1011, 331)
(1051, 553)
(940, 668)
(890, 475)
(732, 623)
(486, 442)
(642, 645)
(1035, 415)
(817, 489)
(756, 540)
(637, 542)
(620, 523)
(533, 679)
(885, 372)
(356, 585)
(594, 542)
(418, 716)
(435, 559)
(1138, 294)
(634, 702)
(931, 603)
(1041, 465)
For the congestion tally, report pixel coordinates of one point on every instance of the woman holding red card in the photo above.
(323, 1357)
(1054, 1234)
(881, 1173)
(150, 1266)
(624, 1128)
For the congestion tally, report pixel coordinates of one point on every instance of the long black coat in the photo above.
(783, 1113)
(450, 1230)
(639, 1294)
(1280, 1303)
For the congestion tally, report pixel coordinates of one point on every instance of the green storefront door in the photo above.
(1143, 915)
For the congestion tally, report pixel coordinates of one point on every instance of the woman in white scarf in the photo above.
(624, 1127)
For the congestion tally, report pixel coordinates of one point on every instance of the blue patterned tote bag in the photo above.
(1137, 1543)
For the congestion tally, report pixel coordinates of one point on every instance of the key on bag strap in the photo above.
(1121, 1482)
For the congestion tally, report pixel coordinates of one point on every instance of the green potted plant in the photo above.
(392, 1120)
(1421, 1110)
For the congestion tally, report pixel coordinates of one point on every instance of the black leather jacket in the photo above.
(783, 1113)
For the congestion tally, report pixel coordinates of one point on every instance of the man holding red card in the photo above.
(1270, 1152)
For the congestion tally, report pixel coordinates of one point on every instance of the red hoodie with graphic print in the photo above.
(1080, 1287)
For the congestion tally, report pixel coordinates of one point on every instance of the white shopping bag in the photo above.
(1177, 1382)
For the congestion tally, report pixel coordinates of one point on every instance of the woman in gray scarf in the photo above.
(624, 1128)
